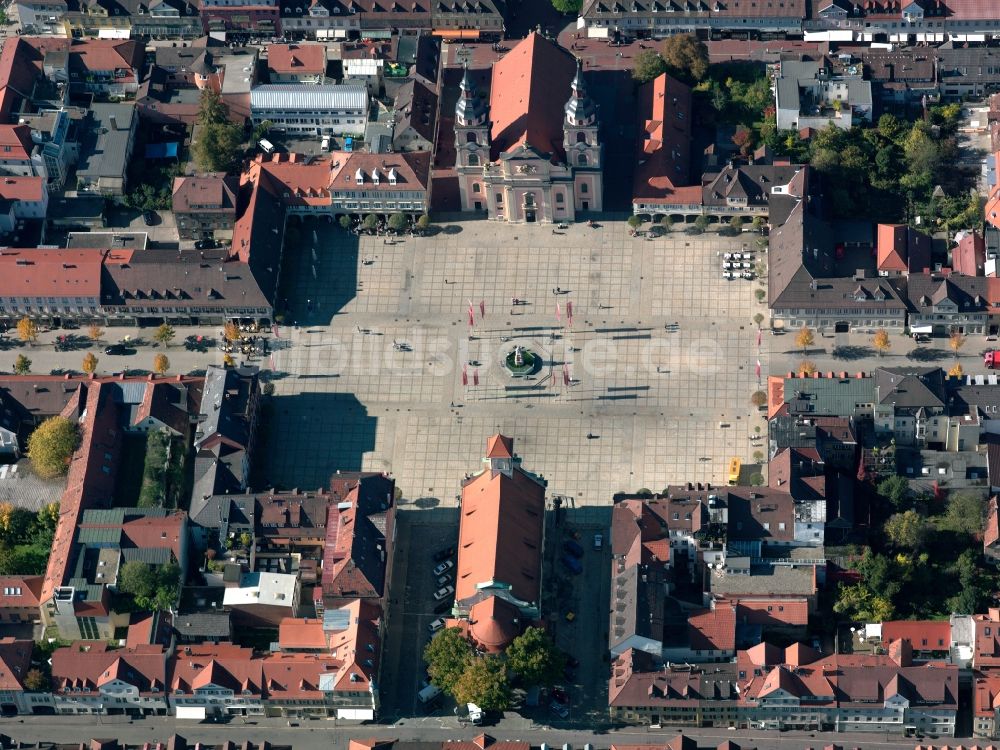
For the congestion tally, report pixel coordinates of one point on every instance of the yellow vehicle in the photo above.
(734, 470)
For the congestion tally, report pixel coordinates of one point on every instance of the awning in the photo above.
(191, 712)
(921, 329)
(356, 714)
(376, 34)
(113, 33)
(457, 33)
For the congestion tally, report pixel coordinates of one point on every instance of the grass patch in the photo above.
(164, 472)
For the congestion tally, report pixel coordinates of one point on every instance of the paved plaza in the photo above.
(374, 377)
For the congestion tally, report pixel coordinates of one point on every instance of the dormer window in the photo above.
(359, 177)
(392, 176)
(375, 176)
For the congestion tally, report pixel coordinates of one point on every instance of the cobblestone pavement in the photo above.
(374, 377)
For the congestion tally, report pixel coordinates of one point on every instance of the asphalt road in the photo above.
(321, 735)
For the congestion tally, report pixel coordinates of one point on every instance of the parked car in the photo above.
(559, 695)
(573, 548)
(442, 580)
(118, 350)
(598, 541)
(148, 218)
(443, 554)
(436, 625)
(444, 567)
(444, 592)
(559, 710)
(572, 564)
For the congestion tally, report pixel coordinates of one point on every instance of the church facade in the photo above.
(533, 154)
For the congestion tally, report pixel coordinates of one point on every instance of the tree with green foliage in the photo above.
(423, 222)
(151, 588)
(370, 222)
(137, 579)
(533, 656)
(345, 221)
(484, 682)
(397, 222)
(447, 656)
(685, 57)
(51, 446)
(164, 334)
(667, 223)
(22, 365)
(567, 6)
(219, 140)
(907, 530)
(36, 681)
(896, 490)
(701, 224)
(634, 222)
(966, 512)
(648, 65)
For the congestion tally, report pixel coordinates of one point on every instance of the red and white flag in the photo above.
(475, 377)
(472, 318)
(482, 308)
(566, 377)
(558, 312)
(758, 369)
(569, 313)
(758, 338)
(465, 374)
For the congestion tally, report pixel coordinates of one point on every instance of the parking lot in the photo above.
(420, 535)
(585, 597)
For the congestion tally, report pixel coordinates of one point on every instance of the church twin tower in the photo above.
(531, 162)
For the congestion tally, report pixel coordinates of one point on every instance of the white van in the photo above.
(428, 694)
(266, 145)
(325, 145)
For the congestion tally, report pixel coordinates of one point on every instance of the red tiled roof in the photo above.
(223, 664)
(494, 623)
(499, 446)
(500, 534)
(892, 247)
(90, 664)
(15, 661)
(152, 532)
(15, 143)
(530, 86)
(30, 189)
(775, 395)
(28, 588)
(991, 532)
(119, 55)
(987, 693)
(992, 208)
(59, 273)
(296, 58)
(771, 611)
(301, 633)
(923, 635)
(713, 629)
(663, 163)
(968, 257)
